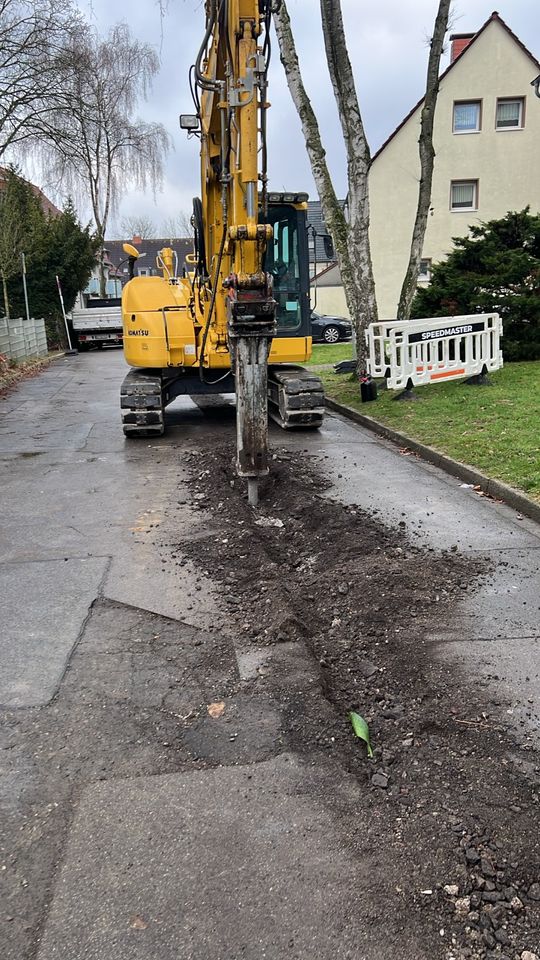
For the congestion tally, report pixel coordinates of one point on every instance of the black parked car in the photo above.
(325, 329)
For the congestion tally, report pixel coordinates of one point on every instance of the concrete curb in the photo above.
(58, 356)
(495, 488)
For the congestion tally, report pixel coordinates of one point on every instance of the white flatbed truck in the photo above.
(96, 324)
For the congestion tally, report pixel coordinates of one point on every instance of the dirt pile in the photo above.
(449, 798)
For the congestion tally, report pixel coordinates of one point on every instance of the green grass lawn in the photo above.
(324, 353)
(495, 428)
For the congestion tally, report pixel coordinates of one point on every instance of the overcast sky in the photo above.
(388, 47)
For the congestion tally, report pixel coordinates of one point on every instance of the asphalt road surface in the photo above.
(231, 845)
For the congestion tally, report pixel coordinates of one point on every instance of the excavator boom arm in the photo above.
(230, 82)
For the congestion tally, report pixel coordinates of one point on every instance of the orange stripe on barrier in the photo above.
(448, 373)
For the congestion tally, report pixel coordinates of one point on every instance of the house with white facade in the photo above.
(327, 293)
(487, 145)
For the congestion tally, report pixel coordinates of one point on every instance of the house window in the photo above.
(143, 271)
(466, 116)
(464, 195)
(509, 114)
(424, 273)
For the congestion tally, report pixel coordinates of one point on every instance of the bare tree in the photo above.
(138, 226)
(427, 160)
(93, 145)
(350, 235)
(178, 227)
(33, 34)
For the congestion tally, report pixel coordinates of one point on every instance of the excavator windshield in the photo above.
(286, 259)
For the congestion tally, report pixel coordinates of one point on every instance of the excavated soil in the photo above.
(450, 798)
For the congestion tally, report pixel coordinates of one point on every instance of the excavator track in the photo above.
(295, 398)
(141, 404)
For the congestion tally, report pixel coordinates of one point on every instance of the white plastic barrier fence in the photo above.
(429, 351)
(20, 339)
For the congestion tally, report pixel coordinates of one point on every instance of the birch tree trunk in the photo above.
(358, 167)
(351, 238)
(427, 161)
(6, 298)
(101, 269)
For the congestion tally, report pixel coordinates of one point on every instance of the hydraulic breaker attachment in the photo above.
(251, 324)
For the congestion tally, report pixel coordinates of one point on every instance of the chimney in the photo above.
(137, 240)
(458, 43)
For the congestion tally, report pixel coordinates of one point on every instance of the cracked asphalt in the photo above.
(132, 824)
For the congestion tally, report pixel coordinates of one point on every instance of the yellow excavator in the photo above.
(238, 320)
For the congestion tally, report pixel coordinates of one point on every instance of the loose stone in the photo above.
(451, 889)
(492, 897)
(463, 905)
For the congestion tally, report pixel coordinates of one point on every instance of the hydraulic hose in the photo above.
(202, 81)
(211, 311)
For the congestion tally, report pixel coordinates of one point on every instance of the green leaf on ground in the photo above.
(361, 730)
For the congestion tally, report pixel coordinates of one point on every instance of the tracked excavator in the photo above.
(237, 320)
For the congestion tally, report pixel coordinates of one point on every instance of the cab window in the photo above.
(282, 261)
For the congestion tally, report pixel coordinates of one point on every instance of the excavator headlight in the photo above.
(288, 197)
(189, 121)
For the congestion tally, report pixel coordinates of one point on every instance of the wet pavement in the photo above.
(87, 602)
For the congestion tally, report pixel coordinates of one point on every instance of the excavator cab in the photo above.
(287, 260)
(295, 396)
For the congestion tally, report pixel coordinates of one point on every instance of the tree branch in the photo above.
(427, 161)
